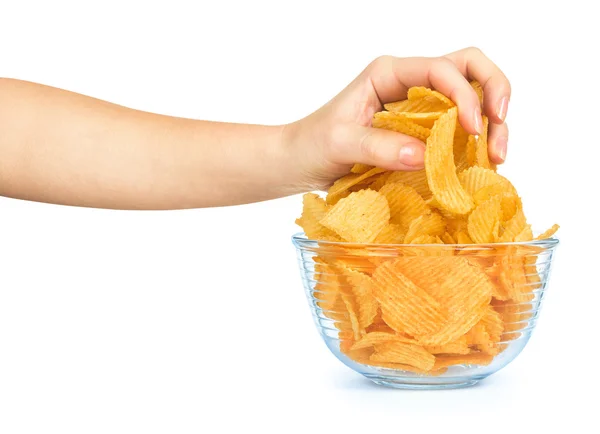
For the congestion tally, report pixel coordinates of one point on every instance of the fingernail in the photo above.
(501, 144)
(478, 121)
(412, 155)
(502, 108)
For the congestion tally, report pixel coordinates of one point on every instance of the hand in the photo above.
(328, 142)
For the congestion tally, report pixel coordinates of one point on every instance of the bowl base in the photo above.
(423, 383)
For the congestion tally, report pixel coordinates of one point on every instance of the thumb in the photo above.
(382, 148)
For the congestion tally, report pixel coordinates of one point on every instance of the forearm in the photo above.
(66, 148)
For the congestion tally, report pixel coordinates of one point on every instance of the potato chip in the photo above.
(476, 178)
(430, 223)
(359, 217)
(313, 211)
(391, 234)
(391, 121)
(419, 92)
(513, 227)
(327, 287)
(461, 138)
(379, 181)
(447, 238)
(440, 168)
(405, 307)
(404, 353)
(416, 179)
(481, 147)
(484, 222)
(458, 346)
(373, 338)
(360, 168)
(362, 289)
(340, 188)
(548, 233)
(404, 202)
(478, 90)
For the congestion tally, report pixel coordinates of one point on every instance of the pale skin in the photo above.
(65, 148)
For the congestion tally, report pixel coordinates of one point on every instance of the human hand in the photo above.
(328, 142)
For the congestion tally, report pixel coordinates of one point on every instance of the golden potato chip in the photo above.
(427, 239)
(481, 147)
(391, 121)
(419, 105)
(362, 289)
(359, 217)
(476, 358)
(404, 202)
(439, 166)
(372, 338)
(513, 227)
(379, 181)
(404, 353)
(548, 233)
(525, 235)
(405, 307)
(416, 179)
(350, 306)
(447, 238)
(484, 221)
(327, 287)
(458, 346)
(478, 90)
(430, 223)
(493, 323)
(461, 138)
(360, 168)
(340, 188)
(391, 234)
(314, 210)
(462, 237)
(475, 178)
(419, 92)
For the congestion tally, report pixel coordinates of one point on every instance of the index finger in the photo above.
(473, 64)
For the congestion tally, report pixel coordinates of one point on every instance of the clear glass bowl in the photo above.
(521, 270)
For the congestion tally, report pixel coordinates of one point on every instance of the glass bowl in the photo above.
(425, 316)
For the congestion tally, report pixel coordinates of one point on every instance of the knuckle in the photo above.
(368, 147)
(474, 51)
(381, 62)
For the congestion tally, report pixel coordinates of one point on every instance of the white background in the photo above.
(195, 321)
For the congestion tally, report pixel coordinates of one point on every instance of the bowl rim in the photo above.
(300, 240)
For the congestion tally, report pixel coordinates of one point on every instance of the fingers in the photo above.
(472, 63)
(497, 141)
(391, 77)
(376, 147)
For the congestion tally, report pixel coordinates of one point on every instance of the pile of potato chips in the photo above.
(459, 297)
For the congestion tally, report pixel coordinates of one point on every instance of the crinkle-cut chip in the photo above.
(362, 288)
(314, 209)
(525, 235)
(418, 105)
(351, 307)
(359, 217)
(471, 151)
(430, 223)
(478, 90)
(340, 188)
(462, 237)
(512, 278)
(361, 355)
(455, 225)
(380, 327)
(427, 239)
(475, 178)
(513, 227)
(493, 323)
(404, 353)
(407, 368)
(460, 148)
(418, 92)
(479, 339)
(351, 260)
(380, 181)
(419, 117)
(458, 346)
(327, 286)
(405, 307)
(548, 233)
(428, 272)
(447, 238)
(391, 121)
(510, 201)
(484, 221)
(481, 147)
(475, 358)
(372, 338)
(391, 234)
(360, 168)
(439, 166)
(416, 179)
(404, 202)
(464, 294)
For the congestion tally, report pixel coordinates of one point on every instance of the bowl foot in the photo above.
(423, 383)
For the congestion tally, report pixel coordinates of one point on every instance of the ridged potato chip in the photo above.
(548, 233)
(430, 223)
(314, 210)
(391, 121)
(416, 180)
(475, 358)
(372, 338)
(484, 221)
(440, 168)
(340, 188)
(404, 202)
(359, 217)
(360, 168)
(404, 353)
(418, 92)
